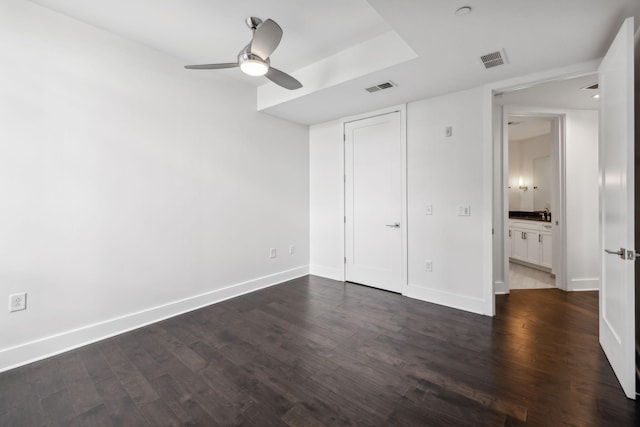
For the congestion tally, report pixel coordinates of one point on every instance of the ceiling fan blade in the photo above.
(266, 38)
(282, 79)
(211, 66)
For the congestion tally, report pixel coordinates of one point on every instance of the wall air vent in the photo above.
(494, 59)
(381, 86)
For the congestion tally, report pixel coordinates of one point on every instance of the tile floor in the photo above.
(522, 277)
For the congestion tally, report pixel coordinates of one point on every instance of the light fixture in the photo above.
(252, 64)
(521, 185)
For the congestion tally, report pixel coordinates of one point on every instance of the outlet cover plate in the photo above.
(18, 302)
(428, 266)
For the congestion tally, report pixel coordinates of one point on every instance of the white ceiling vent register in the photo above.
(494, 59)
(381, 86)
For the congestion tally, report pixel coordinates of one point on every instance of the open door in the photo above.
(616, 150)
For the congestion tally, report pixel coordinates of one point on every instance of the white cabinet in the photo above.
(533, 246)
(530, 241)
(545, 246)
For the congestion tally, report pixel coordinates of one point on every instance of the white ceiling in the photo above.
(525, 127)
(536, 35)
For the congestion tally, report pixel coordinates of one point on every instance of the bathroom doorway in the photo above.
(531, 186)
(572, 207)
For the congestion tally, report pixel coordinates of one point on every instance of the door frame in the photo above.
(495, 188)
(558, 156)
(402, 109)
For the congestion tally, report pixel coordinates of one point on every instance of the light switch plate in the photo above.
(464, 210)
(18, 302)
(448, 131)
(428, 210)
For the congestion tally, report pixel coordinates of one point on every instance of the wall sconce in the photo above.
(521, 185)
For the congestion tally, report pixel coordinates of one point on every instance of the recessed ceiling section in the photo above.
(200, 31)
(379, 53)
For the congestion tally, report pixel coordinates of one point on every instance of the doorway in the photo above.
(533, 174)
(570, 104)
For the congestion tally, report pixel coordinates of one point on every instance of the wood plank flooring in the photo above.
(315, 352)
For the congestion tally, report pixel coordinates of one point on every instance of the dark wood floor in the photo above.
(314, 352)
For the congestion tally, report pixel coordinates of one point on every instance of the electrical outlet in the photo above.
(18, 302)
(428, 266)
(272, 253)
(428, 210)
(464, 210)
(292, 249)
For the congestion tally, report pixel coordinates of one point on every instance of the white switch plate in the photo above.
(448, 131)
(272, 253)
(428, 210)
(292, 249)
(428, 266)
(18, 302)
(464, 210)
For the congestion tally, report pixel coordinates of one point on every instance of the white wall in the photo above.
(132, 189)
(582, 185)
(446, 173)
(443, 172)
(326, 171)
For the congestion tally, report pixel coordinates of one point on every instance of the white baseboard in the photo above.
(499, 288)
(25, 353)
(436, 296)
(584, 284)
(327, 272)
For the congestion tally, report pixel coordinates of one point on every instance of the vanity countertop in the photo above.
(528, 216)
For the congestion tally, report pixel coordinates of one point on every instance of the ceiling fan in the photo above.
(253, 59)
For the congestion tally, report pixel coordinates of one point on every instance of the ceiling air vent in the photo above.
(494, 59)
(381, 86)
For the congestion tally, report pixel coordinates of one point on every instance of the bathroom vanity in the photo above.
(530, 239)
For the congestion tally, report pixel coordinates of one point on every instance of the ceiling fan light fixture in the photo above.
(254, 67)
(252, 64)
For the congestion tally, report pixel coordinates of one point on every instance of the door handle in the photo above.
(621, 253)
(394, 225)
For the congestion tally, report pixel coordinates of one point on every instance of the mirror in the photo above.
(542, 183)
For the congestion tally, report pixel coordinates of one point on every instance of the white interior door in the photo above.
(617, 317)
(373, 202)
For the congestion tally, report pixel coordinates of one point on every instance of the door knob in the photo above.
(621, 253)
(394, 225)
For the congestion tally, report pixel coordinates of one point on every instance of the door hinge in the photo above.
(344, 137)
(345, 219)
(345, 260)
